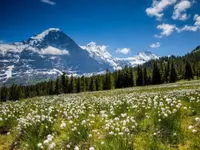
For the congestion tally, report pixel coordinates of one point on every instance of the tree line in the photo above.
(152, 73)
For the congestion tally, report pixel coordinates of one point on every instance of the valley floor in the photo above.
(161, 117)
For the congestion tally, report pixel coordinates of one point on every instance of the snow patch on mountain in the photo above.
(9, 71)
(16, 47)
(139, 59)
(42, 35)
(101, 54)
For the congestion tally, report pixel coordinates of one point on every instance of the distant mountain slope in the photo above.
(48, 54)
(139, 59)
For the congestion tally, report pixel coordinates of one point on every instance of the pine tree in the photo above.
(166, 72)
(13, 92)
(92, 84)
(119, 79)
(64, 81)
(51, 87)
(156, 75)
(132, 77)
(173, 73)
(139, 80)
(72, 86)
(188, 71)
(127, 77)
(4, 94)
(145, 77)
(78, 85)
(111, 81)
(0, 95)
(87, 84)
(99, 83)
(58, 87)
(20, 91)
(82, 84)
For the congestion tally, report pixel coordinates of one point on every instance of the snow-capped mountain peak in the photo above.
(101, 54)
(138, 59)
(43, 34)
(147, 55)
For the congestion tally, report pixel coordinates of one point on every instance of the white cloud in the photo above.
(158, 8)
(193, 28)
(197, 20)
(167, 30)
(53, 51)
(123, 50)
(180, 10)
(48, 2)
(155, 45)
(187, 28)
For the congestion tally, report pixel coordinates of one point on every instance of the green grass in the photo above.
(140, 118)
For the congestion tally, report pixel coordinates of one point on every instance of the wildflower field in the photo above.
(160, 117)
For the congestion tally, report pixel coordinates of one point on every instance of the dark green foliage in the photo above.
(93, 84)
(188, 71)
(64, 82)
(145, 77)
(156, 75)
(140, 78)
(109, 82)
(51, 87)
(82, 84)
(166, 72)
(78, 85)
(99, 83)
(4, 94)
(58, 87)
(173, 73)
(72, 86)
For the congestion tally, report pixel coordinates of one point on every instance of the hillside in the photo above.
(155, 117)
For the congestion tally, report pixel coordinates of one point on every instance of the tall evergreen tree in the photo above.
(4, 94)
(173, 73)
(64, 82)
(145, 77)
(132, 78)
(139, 80)
(58, 87)
(78, 85)
(13, 92)
(127, 76)
(166, 72)
(111, 81)
(72, 86)
(99, 83)
(82, 84)
(188, 71)
(156, 75)
(93, 84)
(51, 87)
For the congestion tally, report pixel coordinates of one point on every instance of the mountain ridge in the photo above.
(51, 52)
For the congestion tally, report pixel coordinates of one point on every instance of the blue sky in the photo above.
(127, 27)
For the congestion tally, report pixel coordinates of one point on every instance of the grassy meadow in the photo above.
(160, 117)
